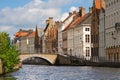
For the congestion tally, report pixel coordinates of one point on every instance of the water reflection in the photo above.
(37, 72)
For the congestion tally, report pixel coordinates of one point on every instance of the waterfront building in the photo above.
(63, 33)
(102, 32)
(31, 44)
(76, 36)
(50, 36)
(55, 37)
(38, 39)
(112, 30)
(21, 40)
(61, 27)
(95, 28)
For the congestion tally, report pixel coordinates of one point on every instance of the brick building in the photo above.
(95, 28)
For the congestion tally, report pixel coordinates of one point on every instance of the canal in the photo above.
(38, 72)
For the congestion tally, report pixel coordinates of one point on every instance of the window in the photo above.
(87, 29)
(87, 38)
(87, 51)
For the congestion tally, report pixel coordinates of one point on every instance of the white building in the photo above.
(78, 35)
(82, 41)
(27, 43)
(79, 41)
(24, 40)
(24, 47)
(31, 43)
(63, 24)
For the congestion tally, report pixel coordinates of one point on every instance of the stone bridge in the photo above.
(49, 57)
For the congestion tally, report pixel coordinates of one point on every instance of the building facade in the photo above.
(95, 28)
(76, 36)
(102, 43)
(31, 43)
(38, 39)
(51, 36)
(112, 30)
(61, 27)
(24, 40)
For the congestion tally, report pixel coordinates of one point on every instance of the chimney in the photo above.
(47, 21)
(50, 20)
(74, 12)
(50, 17)
(20, 30)
(81, 11)
(57, 23)
(90, 9)
(70, 13)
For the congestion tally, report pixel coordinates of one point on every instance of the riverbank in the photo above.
(15, 68)
(73, 61)
(103, 64)
(94, 64)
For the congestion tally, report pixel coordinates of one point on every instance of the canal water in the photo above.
(38, 72)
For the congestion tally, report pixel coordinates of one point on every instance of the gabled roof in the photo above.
(21, 34)
(39, 31)
(75, 22)
(46, 27)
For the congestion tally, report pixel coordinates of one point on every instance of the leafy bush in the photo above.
(8, 53)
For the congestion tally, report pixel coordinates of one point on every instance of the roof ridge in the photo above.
(76, 21)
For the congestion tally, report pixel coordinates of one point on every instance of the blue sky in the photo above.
(25, 14)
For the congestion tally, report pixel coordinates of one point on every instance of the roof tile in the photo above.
(32, 35)
(75, 22)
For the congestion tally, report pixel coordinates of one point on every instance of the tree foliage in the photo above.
(8, 53)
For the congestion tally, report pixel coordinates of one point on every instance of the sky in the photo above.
(26, 14)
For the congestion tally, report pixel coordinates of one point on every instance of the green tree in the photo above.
(8, 54)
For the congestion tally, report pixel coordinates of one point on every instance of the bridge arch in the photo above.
(48, 57)
(36, 60)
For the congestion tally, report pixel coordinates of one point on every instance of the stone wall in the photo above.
(62, 60)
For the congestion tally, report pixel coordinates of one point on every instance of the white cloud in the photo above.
(73, 8)
(65, 15)
(5, 28)
(29, 15)
(32, 14)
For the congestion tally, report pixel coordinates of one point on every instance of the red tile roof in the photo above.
(32, 35)
(21, 34)
(75, 22)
